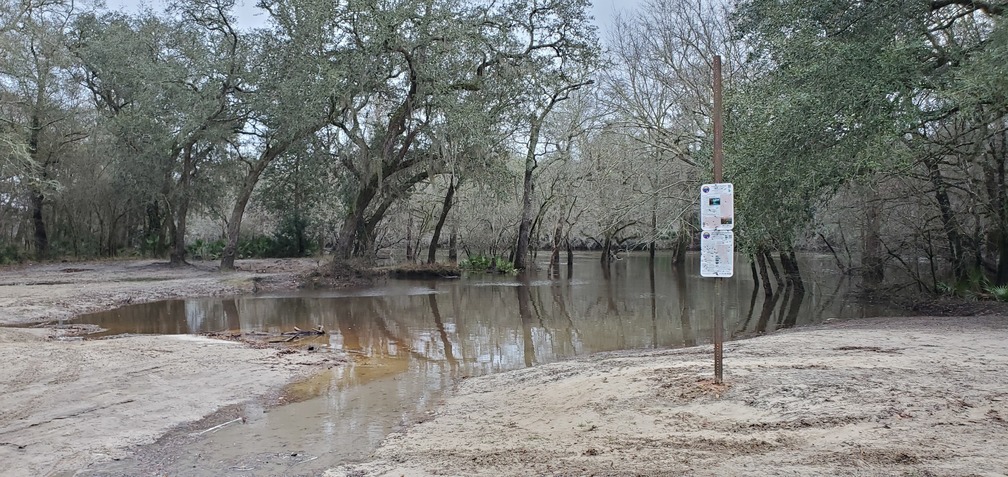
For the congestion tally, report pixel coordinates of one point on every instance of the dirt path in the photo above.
(68, 404)
(907, 396)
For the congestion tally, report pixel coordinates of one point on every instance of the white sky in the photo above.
(604, 11)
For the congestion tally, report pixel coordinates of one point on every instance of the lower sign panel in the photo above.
(717, 253)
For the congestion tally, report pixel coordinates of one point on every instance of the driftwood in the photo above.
(264, 337)
(299, 333)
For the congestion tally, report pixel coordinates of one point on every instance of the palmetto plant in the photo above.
(999, 292)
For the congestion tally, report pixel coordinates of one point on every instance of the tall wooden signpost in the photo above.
(717, 220)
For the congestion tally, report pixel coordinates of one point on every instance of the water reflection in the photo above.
(411, 340)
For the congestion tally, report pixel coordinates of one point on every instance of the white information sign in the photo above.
(717, 206)
(717, 253)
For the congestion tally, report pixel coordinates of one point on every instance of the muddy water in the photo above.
(411, 341)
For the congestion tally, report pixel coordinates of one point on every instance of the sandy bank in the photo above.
(908, 396)
(65, 405)
(55, 291)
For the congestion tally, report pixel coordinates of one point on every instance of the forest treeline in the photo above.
(873, 131)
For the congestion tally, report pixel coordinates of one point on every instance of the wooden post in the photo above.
(718, 178)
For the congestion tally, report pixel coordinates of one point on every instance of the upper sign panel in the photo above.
(717, 206)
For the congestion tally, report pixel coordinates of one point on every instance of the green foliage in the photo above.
(1000, 293)
(291, 238)
(831, 107)
(483, 263)
(974, 286)
(260, 246)
(11, 254)
(203, 250)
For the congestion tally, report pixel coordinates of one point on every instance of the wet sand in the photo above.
(68, 404)
(920, 396)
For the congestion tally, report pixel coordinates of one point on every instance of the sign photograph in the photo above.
(717, 206)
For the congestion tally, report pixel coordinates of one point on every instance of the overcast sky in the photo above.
(603, 10)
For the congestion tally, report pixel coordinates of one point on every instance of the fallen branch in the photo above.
(299, 332)
(217, 427)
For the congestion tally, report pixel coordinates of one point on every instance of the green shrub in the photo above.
(203, 250)
(974, 286)
(999, 292)
(291, 238)
(260, 246)
(482, 263)
(11, 254)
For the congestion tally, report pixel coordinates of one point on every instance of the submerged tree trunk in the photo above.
(606, 257)
(521, 252)
(445, 208)
(872, 268)
(761, 259)
(453, 244)
(554, 263)
(570, 259)
(409, 237)
(790, 265)
(755, 273)
(773, 268)
(654, 233)
(680, 245)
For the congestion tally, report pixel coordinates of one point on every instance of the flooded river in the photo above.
(411, 341)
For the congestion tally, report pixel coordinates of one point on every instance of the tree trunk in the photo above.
(606, 256)
(181, 212)
(790, 265)
(453, 244)
(528, 188)
(409, 237)
(654, 234)
(525, 227)
(353, 222)
(1002, 269)
(554, 263)
(872, 271)
(154, 226)
(178, 253)
(773, 268)
(238, 212)
(1000, 198)
(761, 259)
(755, 274)
(445, 208)
(41, 238)
(570, 259)
(949, 222)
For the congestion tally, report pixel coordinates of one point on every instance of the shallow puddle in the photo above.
(411, 341)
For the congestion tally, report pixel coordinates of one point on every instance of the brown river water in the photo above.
(411, 341)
